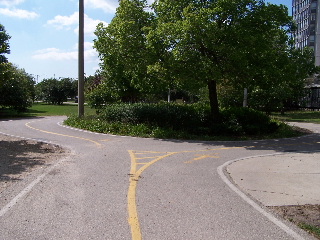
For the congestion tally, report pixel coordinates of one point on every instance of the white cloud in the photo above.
(108, 6)
(90, 25)
(10, 3)
(19, 13)
(67, 22)
(64, 22)
(11, 11)
(56, 54)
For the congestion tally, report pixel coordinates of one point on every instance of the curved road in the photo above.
(114, 187)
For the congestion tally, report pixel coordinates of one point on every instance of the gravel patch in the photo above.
(19, 158)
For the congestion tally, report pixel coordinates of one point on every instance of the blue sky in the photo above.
(44, 34)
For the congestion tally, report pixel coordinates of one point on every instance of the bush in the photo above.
(179, 121)
(247, 121)
(100, 96)
(191, 119)
(177, 117)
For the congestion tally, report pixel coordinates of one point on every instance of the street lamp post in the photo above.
(81, 60)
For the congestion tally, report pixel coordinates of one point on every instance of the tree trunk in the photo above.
(214, 105)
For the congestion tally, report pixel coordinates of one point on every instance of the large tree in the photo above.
(16, 87)
(215, 41)
(277, 84)
(282, 83)
(189, 44)
(122, 49)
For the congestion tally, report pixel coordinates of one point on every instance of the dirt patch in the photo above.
(300, 214)
(302, 131)
(18, 158)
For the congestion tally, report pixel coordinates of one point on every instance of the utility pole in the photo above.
(81, 60)
(245, 97)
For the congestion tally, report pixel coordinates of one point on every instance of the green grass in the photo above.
(311, 229)
(43, 109)
(299, 116)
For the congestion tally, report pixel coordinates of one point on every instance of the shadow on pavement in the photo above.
(20, 156)
(310, 143)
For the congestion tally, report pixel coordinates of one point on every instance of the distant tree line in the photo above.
(56, 91)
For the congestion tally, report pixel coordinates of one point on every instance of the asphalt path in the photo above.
(117, 187)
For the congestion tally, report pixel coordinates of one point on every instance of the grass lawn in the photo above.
(299, 116)
(43, 109)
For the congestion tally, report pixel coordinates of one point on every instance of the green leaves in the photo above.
(16, 87)
(4, 44)
(122, 48)
(56, 91)
(190, 44)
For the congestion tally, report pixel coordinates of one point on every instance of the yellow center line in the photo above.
(134, 177)
(64, 135)
(201, 157)
(205, 156)
(213, 149)
(135, 174)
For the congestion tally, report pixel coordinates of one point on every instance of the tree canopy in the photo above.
(215, 41)
(122, 49)
(16, 86)
(56, 91)
(4, 44)
(191, 44)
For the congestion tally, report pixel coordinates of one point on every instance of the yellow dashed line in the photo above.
(64, 135)
(212, 149)
(202, 157)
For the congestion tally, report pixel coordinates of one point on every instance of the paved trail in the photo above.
(114, 187)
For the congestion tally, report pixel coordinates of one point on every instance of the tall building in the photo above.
(306, 14)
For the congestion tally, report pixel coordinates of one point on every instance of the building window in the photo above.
(312, 38)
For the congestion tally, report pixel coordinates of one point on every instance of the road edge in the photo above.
(282, 224)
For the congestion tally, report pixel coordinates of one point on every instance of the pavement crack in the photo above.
(281, 193)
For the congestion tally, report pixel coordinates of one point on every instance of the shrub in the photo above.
(166, 120)
(175, 116)
(100, 96)
(247, 121)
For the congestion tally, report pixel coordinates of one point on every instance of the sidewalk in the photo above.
(289, 179)
(281, 179)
